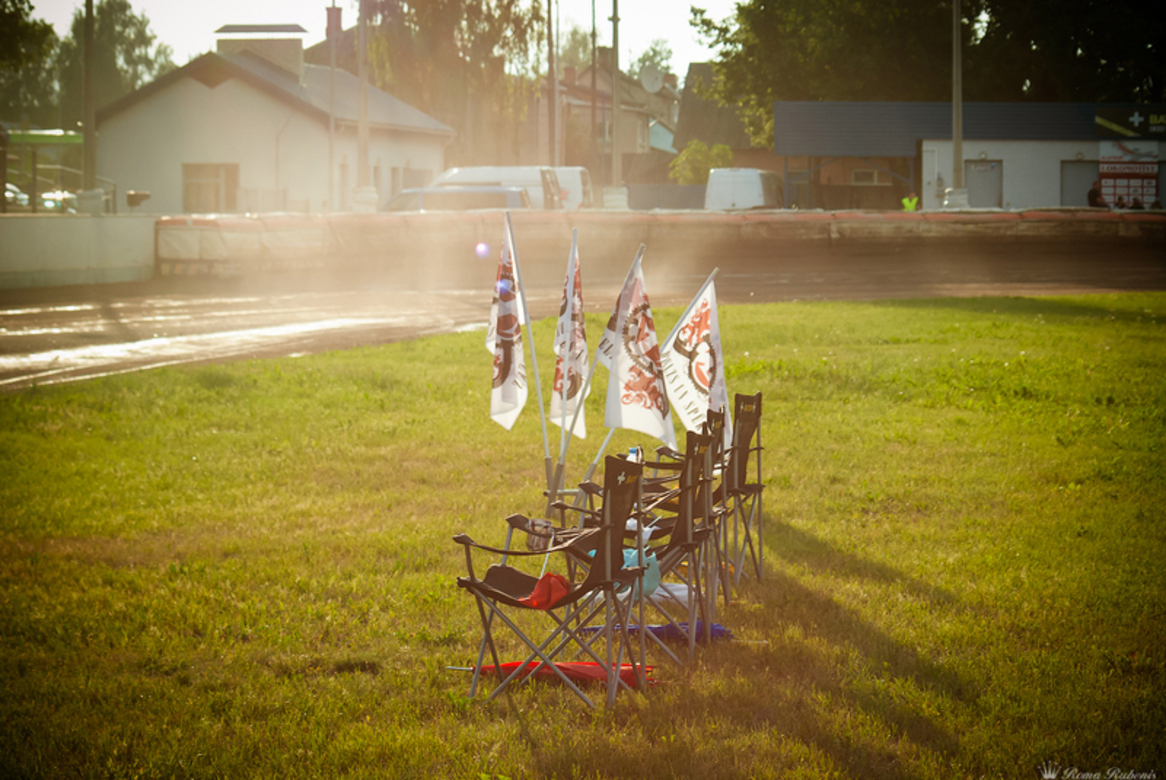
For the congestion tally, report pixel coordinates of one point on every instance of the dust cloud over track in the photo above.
(53, 335)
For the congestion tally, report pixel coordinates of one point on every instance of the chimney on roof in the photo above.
(570, 74)
(603, 58)
(670, 79)
(280, 44)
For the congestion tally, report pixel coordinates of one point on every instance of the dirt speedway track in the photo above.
(54, 335)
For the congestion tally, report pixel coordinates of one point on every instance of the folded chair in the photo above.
(743, 487)
(505, 592)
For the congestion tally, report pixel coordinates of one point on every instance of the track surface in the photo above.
(55, 335)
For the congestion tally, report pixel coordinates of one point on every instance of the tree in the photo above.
(1038, 50)
(464, 62)
(658, 55)
(1070, 50)
(575, 49)
(693, 164)
(774, 50)
(125, 57)
(27, 88)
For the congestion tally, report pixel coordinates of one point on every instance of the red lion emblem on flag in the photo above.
(644, 385)
(694, 343)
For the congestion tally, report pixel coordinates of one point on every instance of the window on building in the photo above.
(868, 177)
(210, 188)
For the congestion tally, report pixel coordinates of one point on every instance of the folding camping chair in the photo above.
(685, 560)
(743, 464)
(505, 590)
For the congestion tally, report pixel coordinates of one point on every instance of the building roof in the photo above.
(705, 119)
(860, 129)
(260, 28)
(310, 96)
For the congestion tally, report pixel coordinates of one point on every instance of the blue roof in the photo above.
(861, 129)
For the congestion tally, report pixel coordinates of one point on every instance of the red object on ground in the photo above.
(578, 671)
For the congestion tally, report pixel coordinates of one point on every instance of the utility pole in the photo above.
(616, 174)
(334, 30)
(88, 107)
(957, 101)
(594, 134)
(552, 86)
(362, 177)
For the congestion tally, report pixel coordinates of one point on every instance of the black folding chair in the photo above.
(743, 485)
(505, 591)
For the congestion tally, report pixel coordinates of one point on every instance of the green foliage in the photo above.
(853, 50)
(246, 569)
(442, 55)
(575, 48)
(658, 55)
(694, 162)
(27, 46)
(125, 57)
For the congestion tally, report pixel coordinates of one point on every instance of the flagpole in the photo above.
(564, 437)
(542, 416)
(695, 298)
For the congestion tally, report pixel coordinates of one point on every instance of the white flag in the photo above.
(571, 351)
(694, 364)
(606, 348)
(636, 396)
(504, 340)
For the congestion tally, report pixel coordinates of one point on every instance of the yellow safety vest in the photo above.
(910, 204)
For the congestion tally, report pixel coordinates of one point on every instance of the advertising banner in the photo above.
(1129, 170)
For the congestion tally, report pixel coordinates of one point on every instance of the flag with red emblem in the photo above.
(571, 352)
(694, 363)
(636, 396)
(504, 339)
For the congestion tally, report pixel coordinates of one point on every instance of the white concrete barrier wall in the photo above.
(52, 250)
(439, 248)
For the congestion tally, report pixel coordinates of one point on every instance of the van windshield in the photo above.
(461, 201)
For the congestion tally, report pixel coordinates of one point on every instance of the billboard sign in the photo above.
(1129, 169)
(1146, 121)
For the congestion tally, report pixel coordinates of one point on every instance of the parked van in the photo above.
(457, 198)
(539, 181)
(742, 188)
(576, 183)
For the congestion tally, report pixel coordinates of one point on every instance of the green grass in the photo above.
(246, 569)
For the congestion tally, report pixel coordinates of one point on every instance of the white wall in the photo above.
(1032, 169)
(47, 250)
(276, 146)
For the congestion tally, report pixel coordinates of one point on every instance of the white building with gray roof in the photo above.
(245, 129)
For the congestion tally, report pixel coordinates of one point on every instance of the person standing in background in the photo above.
(1096, 199)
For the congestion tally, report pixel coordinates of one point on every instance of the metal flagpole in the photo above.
(542, 415)
(554, 487)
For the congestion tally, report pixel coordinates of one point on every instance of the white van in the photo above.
(742, 188)
(576, 183)
(539, 181)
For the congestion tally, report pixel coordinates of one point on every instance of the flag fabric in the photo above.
(571, 352)
(694, 364)
(636, 396)
(504, 339)
(606, 349)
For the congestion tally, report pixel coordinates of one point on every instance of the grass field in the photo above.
(246, 570)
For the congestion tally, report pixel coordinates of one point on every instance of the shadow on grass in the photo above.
(797, 546)
(814, 663)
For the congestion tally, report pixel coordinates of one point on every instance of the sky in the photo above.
(188, 27)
